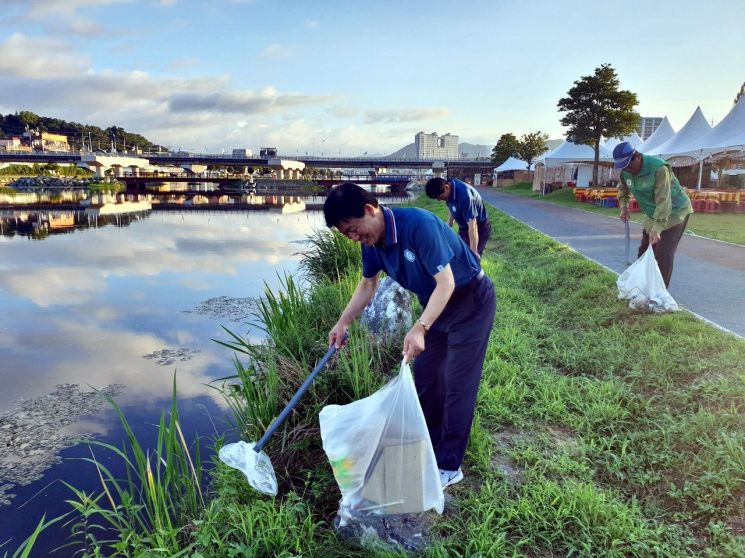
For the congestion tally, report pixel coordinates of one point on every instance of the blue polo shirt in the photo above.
(465, 203)
(418, 244)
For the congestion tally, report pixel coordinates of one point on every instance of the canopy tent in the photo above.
(512, 164)
(687, 139)
(569, 162)
(569, 152)
(632, 138)
(663, 133)
(729, 133)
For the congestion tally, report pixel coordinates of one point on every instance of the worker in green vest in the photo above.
(661, 199)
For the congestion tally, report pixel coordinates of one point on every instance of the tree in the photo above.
(531, 145)
(740, 93)
(595, 107)
(507, 146)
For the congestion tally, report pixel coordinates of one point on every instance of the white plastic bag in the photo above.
(256, 466)
(643, 285)
(381, 453)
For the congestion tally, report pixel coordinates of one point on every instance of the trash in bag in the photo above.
(643, 286)
(255, 465)
(381, 453)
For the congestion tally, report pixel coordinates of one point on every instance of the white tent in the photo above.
(663, 133)
(568, 162)
(569, 152)
(687, 139)
(632, 138)
(729, 133)
(512, 164)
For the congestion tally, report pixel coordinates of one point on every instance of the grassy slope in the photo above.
(721, 226)
(601, 431)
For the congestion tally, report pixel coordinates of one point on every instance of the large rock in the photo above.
(389, 312)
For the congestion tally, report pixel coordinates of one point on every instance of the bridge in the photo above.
(218, 160)
(284, 167)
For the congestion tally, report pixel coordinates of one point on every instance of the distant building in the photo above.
(243, 152)
(13, 143)
(47, 141)
(647, 126)
(267, 152)
(432, 146)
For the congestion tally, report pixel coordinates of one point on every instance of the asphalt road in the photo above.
(708, 278)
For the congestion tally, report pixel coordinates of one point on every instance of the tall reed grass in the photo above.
(161, 494)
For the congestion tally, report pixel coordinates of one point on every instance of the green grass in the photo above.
(729, 227)
(599, 431)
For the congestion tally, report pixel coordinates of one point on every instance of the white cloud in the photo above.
(312, 23)
(405, 115)
(52, 58)
(276, 50)
(39, 9)
(75, 26)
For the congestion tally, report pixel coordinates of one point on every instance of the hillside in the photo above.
(16, 124)
(469, 150)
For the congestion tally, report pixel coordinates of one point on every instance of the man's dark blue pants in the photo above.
(447, 373)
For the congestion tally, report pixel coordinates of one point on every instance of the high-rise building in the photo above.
(432, 146)
(647, 125)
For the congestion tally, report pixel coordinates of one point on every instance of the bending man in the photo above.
(449, 340)
(660, 197)
(466, 208)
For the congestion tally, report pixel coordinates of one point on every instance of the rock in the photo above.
(402, 532)
(389, 312)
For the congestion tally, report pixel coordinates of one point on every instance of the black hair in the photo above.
(346, 201)
(434, 187)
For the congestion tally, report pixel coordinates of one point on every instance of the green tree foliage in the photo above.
(77, 134)
(740, 93)
(596, 107)
(532, 145)
(507, 146)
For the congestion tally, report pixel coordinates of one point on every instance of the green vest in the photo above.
(642, 186)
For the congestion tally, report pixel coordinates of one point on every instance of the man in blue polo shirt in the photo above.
(417, 249)
(466, 208)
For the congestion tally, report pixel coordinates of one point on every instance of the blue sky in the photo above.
(353, 77)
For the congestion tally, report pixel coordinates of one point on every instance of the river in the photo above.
(120, 304)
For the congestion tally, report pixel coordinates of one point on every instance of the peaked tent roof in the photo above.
(632, 138)
(663, 133)
(512, 164)
(730, 132)
(686, 140)
(569, 152)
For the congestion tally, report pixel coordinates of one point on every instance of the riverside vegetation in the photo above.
(599, 431)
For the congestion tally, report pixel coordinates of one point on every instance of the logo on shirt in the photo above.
(628, 182)
(454, 208)
(409, 255)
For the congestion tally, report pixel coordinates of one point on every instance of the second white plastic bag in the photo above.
(643, 286)
(381, 453)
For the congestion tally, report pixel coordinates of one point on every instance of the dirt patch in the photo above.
(33, 433)
(239, 310)
(505, 439)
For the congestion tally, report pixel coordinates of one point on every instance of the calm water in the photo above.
(87, 307)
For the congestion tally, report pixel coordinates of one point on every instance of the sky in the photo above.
(350, 77)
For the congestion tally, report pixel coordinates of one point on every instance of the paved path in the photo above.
(708, 278)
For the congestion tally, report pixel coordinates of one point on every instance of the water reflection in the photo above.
(88, 308)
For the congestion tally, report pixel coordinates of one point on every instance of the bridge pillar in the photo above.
(118, 170)
(99, 170)
(438, 168)
(135, 170)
